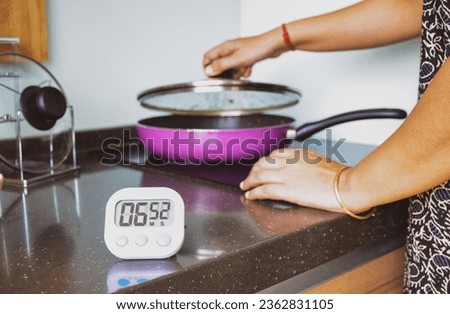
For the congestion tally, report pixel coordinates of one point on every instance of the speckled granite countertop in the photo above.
(51, 238)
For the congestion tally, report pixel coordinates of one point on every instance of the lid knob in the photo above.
(42, 106)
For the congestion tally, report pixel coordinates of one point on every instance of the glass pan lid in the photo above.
(219, 97)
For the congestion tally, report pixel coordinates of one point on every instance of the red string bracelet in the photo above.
(286, 38)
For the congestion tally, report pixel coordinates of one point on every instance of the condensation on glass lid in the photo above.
(220, 100)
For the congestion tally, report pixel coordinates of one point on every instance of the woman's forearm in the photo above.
(369, 23)
(414, 159)
(366, 24)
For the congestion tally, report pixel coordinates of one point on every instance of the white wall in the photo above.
(335, 82)
(104, 52)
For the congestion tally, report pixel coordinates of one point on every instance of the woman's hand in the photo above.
(296, 176)
(242, 53)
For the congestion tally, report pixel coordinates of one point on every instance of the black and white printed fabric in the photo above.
(428, 241)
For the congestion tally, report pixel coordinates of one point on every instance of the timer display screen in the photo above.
(144, 213)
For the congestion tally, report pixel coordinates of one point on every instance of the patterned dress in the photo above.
(428, 241)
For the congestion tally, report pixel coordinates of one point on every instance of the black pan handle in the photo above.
(307, 130)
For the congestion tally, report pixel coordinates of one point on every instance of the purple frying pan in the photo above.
(198, 139)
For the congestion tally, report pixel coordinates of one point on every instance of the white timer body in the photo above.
(144, 223)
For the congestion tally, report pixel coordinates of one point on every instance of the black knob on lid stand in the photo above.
(42, 106)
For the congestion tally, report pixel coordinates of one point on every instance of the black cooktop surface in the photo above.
(230, 174)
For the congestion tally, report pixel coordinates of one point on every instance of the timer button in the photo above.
(122, 240)
(141, 240)
(164, 239)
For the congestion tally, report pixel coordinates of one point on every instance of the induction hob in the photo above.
(229, 174)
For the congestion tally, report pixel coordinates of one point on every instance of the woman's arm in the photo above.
(1, 181)
(369, 23)
(414, 159)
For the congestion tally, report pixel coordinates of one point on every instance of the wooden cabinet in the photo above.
(382, 275)
(26, 20)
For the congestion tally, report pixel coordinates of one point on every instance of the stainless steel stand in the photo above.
(17, 176)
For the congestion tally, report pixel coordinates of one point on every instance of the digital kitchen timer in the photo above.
(144, 223)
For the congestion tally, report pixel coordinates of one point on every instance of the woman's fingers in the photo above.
(247, 72)
(263, 176)
(216, 67)
(271, 191)
(239, 54)
(278, 158)
(267, 163)
(275, 162)
(220, 51)
(220, 58)
(242, 72)
(283, 154)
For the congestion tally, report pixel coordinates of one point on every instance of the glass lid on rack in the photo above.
(32, 140)
(221, 97)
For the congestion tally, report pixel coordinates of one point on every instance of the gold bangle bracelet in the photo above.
(344, 208)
